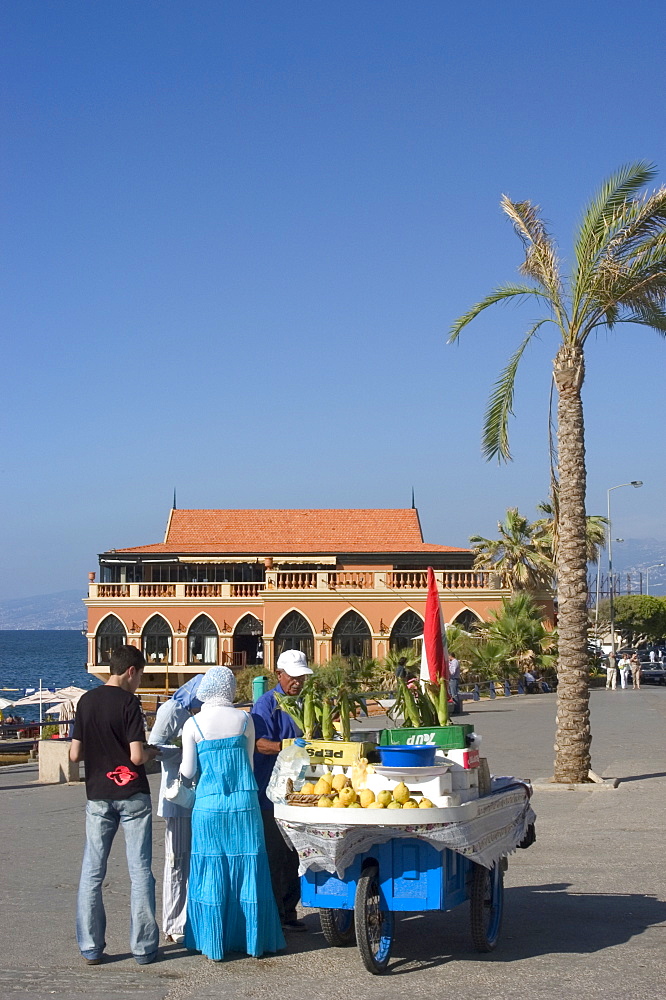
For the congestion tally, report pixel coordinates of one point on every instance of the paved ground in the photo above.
(585, 907)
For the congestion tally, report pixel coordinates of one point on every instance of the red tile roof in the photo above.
(276, 532)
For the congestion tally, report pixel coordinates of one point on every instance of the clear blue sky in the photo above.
(235, 235)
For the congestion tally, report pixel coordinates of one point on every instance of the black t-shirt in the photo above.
(108, 719)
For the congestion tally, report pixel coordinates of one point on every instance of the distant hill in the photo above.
(633, 556)
(61, 611)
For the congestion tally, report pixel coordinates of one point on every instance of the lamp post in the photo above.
(647, 575)
(635, 483)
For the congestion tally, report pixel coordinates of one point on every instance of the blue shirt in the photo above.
(270, 723)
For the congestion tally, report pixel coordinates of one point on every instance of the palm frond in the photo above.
(499, 295)
(541, 263)
(495, 428)
(619, 188)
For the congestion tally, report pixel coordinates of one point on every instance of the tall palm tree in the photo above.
(519, 628)
(522, 564)
(546, 532)
(618, 275)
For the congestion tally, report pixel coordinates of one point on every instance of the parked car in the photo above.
(654, 674)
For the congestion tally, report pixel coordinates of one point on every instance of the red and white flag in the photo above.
(434, 653)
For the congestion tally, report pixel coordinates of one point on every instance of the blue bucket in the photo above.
(408, 756)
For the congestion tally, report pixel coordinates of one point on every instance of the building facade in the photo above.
(239, 586)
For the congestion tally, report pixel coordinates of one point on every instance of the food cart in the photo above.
(359, 867)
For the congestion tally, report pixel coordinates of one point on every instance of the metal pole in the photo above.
(611, 586)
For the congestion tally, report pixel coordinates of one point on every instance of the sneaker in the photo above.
(93, 961)
(145, 959)
(294, 925)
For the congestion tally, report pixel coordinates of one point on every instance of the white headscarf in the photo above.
(218, 687)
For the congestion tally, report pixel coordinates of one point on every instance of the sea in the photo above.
(57, 658)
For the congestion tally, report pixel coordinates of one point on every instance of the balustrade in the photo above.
(246, 589)
(157, 590)
(296, 581)
(286, 580)
(354, 580)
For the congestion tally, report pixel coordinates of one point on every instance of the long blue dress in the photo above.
(230, 902)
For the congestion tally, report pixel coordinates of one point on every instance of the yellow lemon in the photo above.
(339, 782)
(308, 788)
(401, 793)
(394, 805)
(324, 802)
(376, 805)
(365, 797)
(426, 804)
(411, 804)
(347, 795)
(384, 797)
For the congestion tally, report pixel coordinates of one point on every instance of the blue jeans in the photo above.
(103, 817)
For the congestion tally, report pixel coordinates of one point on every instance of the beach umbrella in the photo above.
(42, 697)
(70, 693)
(5, 703)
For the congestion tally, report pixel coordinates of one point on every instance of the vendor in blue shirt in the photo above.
(271, 726)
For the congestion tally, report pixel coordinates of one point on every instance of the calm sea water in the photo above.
(57, 657)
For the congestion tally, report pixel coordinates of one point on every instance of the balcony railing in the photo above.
(383, 581)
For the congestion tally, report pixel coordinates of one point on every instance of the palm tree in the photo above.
(618, 275)
(519, 628)
(545, 531)
(522, 564)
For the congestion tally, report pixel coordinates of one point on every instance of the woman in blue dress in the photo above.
(230, 902)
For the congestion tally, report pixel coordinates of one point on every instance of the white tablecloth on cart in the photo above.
(500, 825)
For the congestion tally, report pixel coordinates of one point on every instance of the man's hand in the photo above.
(269, 747)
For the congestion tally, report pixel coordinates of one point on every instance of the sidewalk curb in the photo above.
(595, 784)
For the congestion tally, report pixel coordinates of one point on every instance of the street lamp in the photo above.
(647, 575)
(635, 483)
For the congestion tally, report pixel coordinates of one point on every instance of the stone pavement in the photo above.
(585, 907)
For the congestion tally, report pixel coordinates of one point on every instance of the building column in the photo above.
(323, 648)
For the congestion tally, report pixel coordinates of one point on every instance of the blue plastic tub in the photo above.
(408, 756)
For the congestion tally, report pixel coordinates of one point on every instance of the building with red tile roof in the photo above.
(239, 586)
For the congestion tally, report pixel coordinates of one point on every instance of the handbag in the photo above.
(180, 794)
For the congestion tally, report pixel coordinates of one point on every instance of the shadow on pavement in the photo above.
(642, 777)
(538, 920)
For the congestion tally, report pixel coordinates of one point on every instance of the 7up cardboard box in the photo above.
(447, 737)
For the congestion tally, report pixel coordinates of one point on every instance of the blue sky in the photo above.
(235, 235)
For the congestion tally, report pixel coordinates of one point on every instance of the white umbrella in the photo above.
(5, 703)
(70, 693)
(43, 697)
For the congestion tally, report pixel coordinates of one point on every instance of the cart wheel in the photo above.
(374, 926)
(338, 927)
(487, 905)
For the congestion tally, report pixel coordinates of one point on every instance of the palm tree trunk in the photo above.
(572, 742)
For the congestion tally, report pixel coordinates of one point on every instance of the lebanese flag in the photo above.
(434, 653)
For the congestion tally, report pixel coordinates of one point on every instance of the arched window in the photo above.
(293, 632)
(111, 635)
(156, 638)
(248, 639)
(408, 627)
(467, 620)
(351, 636)
(202, 641)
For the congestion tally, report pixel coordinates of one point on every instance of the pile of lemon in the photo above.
(336, 791)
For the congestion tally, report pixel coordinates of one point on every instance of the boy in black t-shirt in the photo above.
(109, 736)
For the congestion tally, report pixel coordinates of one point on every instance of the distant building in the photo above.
(239, 586)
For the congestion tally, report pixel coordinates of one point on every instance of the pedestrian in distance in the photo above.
(611, 673)
(271, 726)
(625, 671)
(109, 736)
(454, 682)
(635, 672)
(168, 727)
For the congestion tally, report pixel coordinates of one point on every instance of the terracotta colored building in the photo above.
(239, 586)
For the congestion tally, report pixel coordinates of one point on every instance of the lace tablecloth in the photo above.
(498, 828)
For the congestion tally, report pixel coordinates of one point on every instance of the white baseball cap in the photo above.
(293, 662)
